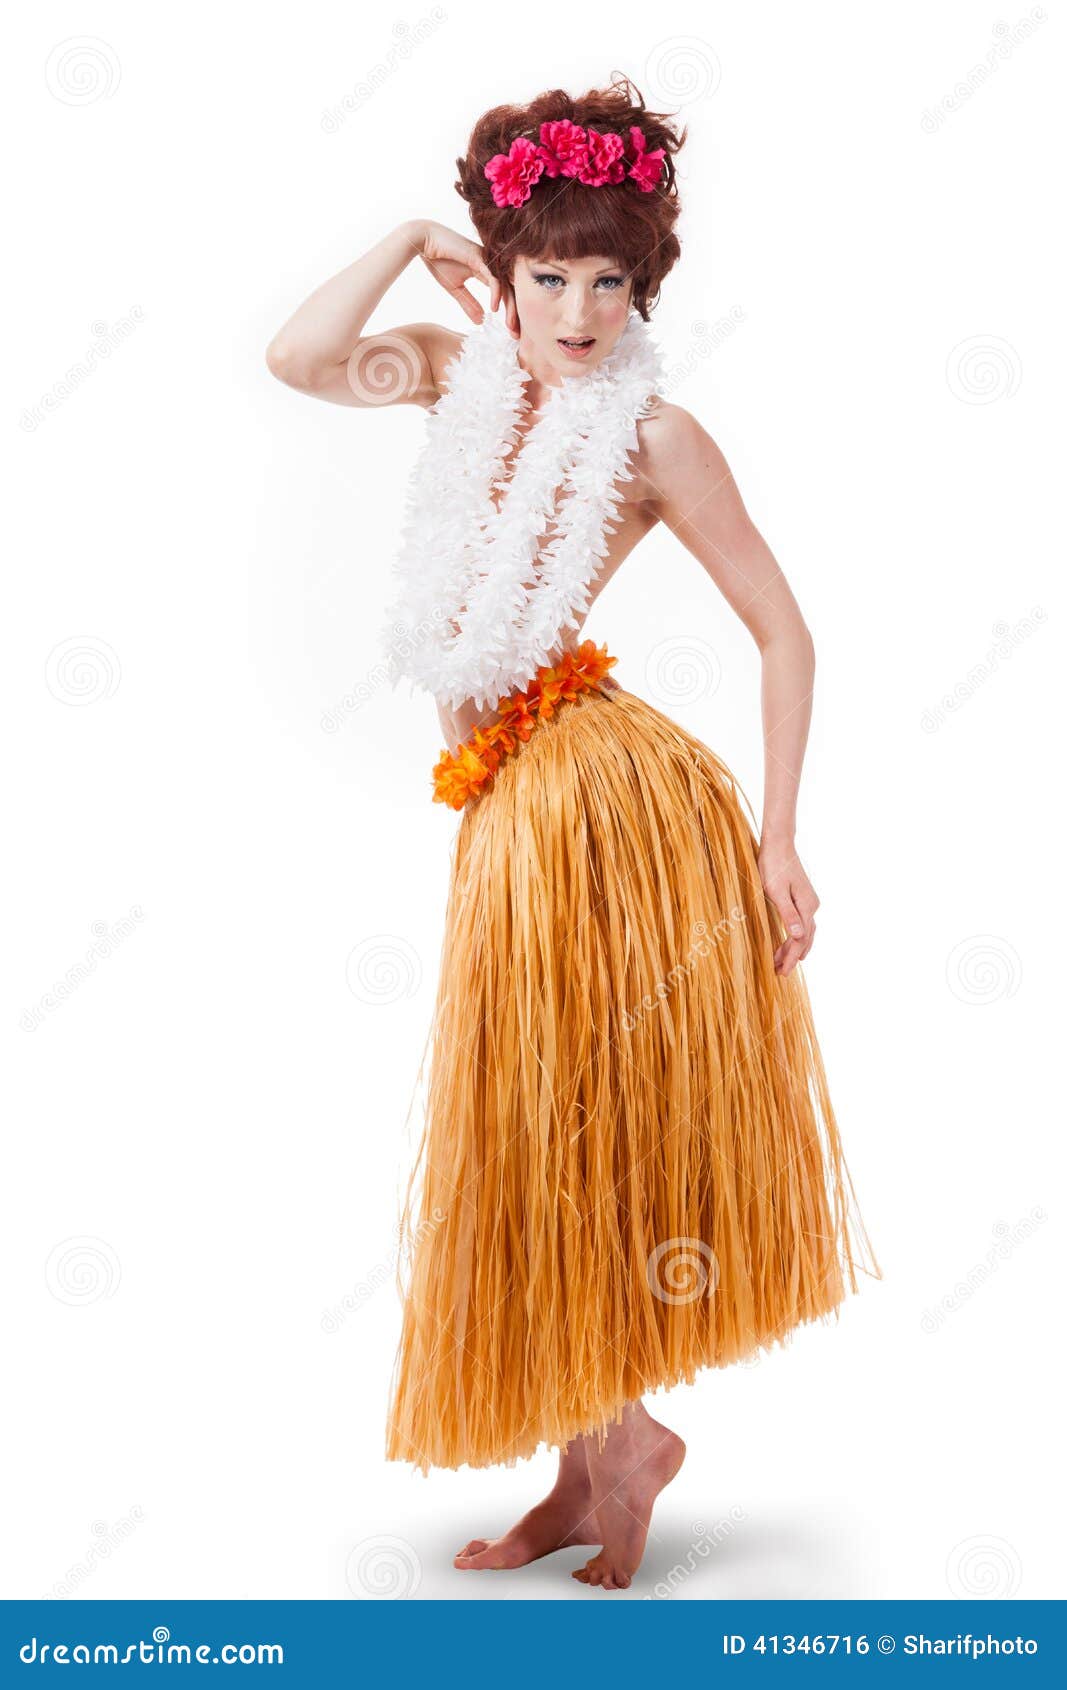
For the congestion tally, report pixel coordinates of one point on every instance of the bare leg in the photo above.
(565, 1517)
(638, 1458)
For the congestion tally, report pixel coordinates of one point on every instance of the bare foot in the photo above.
(565, 1517)
(640, 1457)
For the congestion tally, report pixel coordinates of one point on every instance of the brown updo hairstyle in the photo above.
(563, 218)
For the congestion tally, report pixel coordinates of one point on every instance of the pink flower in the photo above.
(514, 173)
(563, 148)
(647, 167)
(604, 163)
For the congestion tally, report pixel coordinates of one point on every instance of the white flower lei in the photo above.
(458, 553)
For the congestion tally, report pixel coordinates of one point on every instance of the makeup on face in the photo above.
(583, 288)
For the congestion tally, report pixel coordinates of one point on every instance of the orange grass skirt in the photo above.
(629, 1168)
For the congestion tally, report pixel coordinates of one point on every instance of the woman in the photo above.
(631, 1165)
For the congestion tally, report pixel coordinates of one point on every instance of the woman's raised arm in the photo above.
(321, 350)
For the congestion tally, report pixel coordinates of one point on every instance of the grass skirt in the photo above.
(630, 1168)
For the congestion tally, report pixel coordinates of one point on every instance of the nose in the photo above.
(580, 308)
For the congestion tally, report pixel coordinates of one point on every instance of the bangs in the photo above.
(568, 221)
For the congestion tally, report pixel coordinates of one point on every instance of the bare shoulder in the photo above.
(674, 448)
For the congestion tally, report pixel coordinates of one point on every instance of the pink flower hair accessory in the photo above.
(596, 159)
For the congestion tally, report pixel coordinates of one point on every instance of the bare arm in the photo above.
(691, 489)
(322, 350)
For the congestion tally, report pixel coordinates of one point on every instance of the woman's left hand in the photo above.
(793, 896)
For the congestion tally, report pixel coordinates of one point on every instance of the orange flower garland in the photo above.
(470, 769)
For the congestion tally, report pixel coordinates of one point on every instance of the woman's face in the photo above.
(584, 300)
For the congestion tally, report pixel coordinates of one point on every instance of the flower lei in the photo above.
(456, 776)
(481, 595)
(596, 158)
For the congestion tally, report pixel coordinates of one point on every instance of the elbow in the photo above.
(794, 637)
(283, 363)
(805, 647)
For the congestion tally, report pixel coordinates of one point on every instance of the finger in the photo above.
(792, 919)
(807, 903)
(469, 304)
(787, 955)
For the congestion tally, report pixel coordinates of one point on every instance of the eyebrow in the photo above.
(555, 264)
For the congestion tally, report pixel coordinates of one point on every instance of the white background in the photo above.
(208, 1134)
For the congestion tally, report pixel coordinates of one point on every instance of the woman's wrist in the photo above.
(777, 835)
(413, 231)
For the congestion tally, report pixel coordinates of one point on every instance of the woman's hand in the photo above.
(792, 895)
(453, 260)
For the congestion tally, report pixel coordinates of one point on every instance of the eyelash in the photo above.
(547, 276)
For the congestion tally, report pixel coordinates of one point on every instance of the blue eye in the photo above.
(541, 277)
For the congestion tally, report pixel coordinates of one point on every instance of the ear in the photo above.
(511, 311)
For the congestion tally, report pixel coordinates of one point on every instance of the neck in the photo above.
(542, 375)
